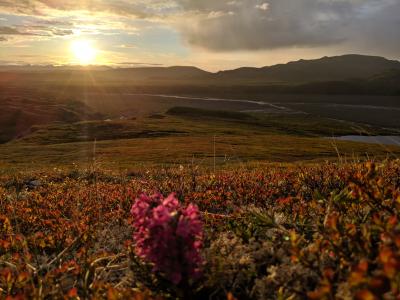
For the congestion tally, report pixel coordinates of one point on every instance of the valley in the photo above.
(179, 115)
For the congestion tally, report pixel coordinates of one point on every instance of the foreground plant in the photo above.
(325, 231)
(168, 236)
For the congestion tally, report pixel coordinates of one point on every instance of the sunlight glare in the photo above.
(84, 52)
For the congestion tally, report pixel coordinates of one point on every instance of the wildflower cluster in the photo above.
(168, 236)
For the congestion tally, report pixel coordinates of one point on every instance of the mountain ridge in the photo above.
(348, 67)
(343, 67)
(107, 68)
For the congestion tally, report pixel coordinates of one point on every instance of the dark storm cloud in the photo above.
(252, 24)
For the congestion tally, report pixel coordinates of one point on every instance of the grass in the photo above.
(206, 113)
(285, 215)
(187, 135)
(21, 110)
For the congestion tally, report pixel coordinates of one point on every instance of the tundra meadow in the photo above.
(319, 232)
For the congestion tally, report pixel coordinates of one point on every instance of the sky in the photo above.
(211, 34)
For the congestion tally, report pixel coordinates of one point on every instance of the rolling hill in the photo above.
(324, 69)
(19, 112)
(338, 68)
(40, 95)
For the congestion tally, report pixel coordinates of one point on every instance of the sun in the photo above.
(83, 52)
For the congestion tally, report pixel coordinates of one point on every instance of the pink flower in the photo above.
(161, 215)
(168, 236)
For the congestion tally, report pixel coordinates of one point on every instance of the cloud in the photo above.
(18, 7)
(6, 30)
(126, 46)
(234, 25)
(263, 6)
(89, 17)
(34, 30)
(61, 32)
(56, 22)
(137, 8)
(3, 39)
(258, 25)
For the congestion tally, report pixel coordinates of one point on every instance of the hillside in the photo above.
(101, 75)
(20, 110)
(188, 135)
(389, 79)
(166, 73)
(323, 69)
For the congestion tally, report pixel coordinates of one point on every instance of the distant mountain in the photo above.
(104, 74)
(339, 74)
(324, 69)
(172, 73)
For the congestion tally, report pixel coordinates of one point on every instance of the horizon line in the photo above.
(138, 65)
